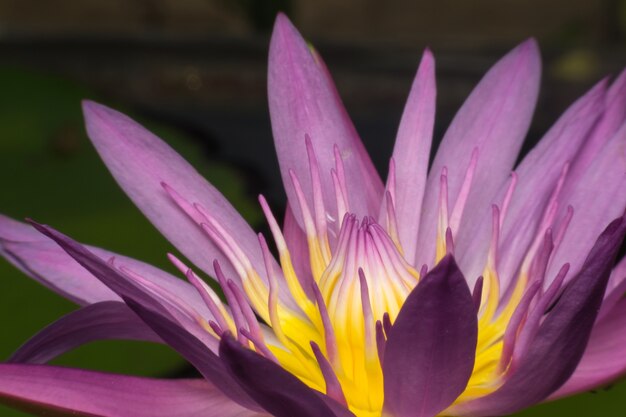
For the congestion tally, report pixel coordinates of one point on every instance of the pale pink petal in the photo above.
(303, 101)
(598, 196)
(411, 154)
(610, 122)
(537, 176)
(42, 259)
(141, 163)
(493, 121)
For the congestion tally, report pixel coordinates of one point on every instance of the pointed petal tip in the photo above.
(427, 61)
(92, 108)
(12, 230)
(283, 28)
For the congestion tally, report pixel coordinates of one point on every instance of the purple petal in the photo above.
(101, 321)
(615, 289)
(430, 351)
(560, 340)
(493, 120)
(47, 390)
(193, 350)
(604, 360)
(611, 121)
(605, 180)
(141, 163)
(412, 152)
(181, 333)
(280, 393)
(45, 261)
(303, 100)
(537, 176)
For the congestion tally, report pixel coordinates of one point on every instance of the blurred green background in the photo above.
(194, 72)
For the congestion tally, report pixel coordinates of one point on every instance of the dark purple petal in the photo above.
(101, 321)
(189, 341)
(193, 350)
(604, 360)
(560, 340)
(276, 390)
(53, 391)
(431, 347)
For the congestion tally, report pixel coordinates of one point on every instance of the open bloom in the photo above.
(463, 290)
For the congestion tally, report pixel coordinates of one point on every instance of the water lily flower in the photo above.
(473, 288)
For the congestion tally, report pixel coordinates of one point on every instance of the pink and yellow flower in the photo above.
(472, 288)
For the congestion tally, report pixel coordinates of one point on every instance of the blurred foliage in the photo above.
(50, 172)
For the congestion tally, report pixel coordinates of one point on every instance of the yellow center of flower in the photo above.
(327, 326)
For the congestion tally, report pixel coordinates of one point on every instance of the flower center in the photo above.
(327, 323)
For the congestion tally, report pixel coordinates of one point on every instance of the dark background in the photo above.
(194, 71)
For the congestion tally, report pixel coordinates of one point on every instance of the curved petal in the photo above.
(72, 392)
(615, 289)
(46, 262)
(611, 121)
(537, 177)
(276, 390)
(412, 152)
(140, 162)
(303, 101)
(429, 355)
(493, 121)
(597, 197)
(561, 338)
(604, 360)
(177, 330)
(100, 321)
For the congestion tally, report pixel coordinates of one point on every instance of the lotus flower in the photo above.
(462, 290)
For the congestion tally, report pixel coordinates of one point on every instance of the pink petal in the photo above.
(48, 390)
(537, 176)
(141, 163)
(411, 153)
(303, 100)
(611, 121)
(43, 260)
(597, 196)
(493, 120)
